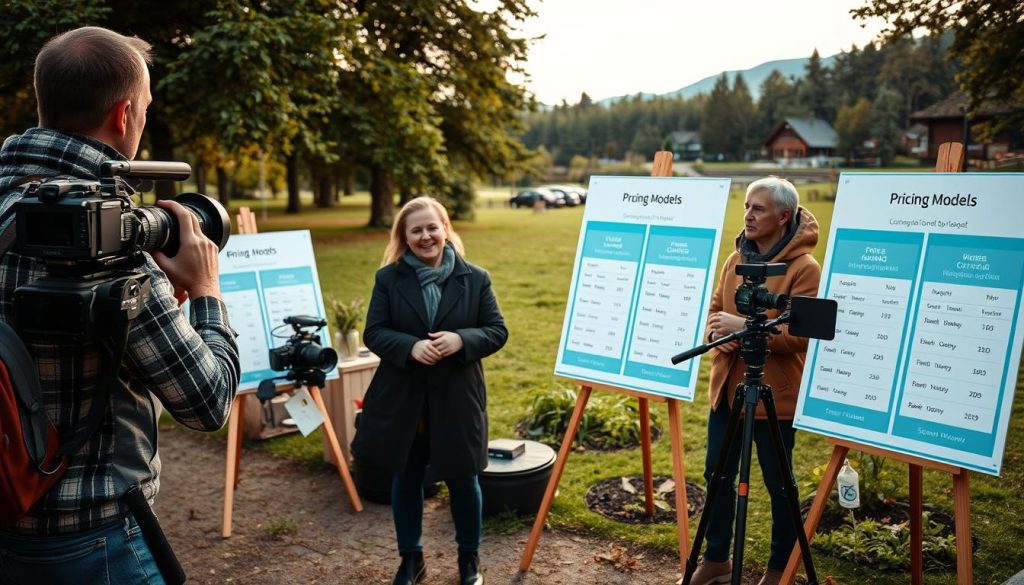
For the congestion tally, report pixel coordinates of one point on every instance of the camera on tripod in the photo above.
(751, 296)
(91, 236)
(808, 316)
(306, 361)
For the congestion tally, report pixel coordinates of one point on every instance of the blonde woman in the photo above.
(432, 318)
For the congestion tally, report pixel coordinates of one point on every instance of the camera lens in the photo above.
(158, 228)
(312, 355)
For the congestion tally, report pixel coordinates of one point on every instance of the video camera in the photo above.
(808, 316)
(306, 361)
(91, 236)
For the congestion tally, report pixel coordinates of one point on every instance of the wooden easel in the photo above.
(247, 225)
(662, 168)
(950, 160)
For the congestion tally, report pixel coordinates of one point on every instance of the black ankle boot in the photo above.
(469, 569)
(412, 570)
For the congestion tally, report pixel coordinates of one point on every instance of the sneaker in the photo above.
(709, 572)
(469, 569)
(771, 577)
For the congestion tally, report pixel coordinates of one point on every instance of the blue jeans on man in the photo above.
(722, 519)
(115, 554)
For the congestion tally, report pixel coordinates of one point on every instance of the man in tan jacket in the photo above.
(776, 229)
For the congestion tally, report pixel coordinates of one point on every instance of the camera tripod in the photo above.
(754, 352)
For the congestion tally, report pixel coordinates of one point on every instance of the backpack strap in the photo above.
(22, 371)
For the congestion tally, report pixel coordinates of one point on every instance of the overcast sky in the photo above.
(616, 47)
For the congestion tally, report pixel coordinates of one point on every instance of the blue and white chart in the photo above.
(928, 271)
(641, 283)
(263, 279)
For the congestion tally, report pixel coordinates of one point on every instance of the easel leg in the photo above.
(332, 438)
(962, 511)
(817, 509)
(679, 477)
(556, 475)
(916, 511)
(645, 451)
(231, 464)
(240, 405)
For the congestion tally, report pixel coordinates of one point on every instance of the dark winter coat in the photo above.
(450, 397)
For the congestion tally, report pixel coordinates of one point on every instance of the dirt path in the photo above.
(325, 542)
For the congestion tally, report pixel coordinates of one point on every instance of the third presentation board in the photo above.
(927, 270)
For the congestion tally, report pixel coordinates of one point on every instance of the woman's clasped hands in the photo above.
(437, 346)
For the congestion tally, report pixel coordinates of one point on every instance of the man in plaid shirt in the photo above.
(92, 86)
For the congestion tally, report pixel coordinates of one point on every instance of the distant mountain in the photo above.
(754, 76)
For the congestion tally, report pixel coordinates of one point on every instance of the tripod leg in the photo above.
(789, 486)
(743, 490)
(714, 485)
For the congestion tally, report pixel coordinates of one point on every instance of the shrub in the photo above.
(887, 546)
(608, 422)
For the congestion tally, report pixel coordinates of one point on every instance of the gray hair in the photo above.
(784, 196)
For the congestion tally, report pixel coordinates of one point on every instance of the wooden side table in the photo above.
(340, 399)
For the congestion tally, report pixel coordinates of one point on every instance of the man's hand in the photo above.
(446, 342)
(721, 324)
(194, 268)
(425, 353)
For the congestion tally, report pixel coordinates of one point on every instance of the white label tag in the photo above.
(304, 411)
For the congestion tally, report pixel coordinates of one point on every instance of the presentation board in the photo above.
(641, 282)
(263, 279)
(927, 270)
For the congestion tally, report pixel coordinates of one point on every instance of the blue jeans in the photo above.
(407, 503)
(720, 525)
(114, 554)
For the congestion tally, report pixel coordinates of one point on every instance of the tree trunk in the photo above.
(223, 186)
(347, 179)
(382, 198)
(404, 195)
(292, 166)
(163, 149)
(324, 197)
(199, 172)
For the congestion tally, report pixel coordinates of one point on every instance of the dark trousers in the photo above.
(720, 525)
(407, 503)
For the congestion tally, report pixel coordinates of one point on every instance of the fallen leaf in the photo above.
(627, 486)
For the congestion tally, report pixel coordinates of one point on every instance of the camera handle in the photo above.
(754, 352)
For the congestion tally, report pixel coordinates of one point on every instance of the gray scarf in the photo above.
(431, 279)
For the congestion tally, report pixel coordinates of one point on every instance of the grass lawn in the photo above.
(530, 258)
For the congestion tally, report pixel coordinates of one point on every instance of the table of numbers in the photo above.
(240, 292)
(871, 281)
(670, 304)
(960, 339)
(604, 289)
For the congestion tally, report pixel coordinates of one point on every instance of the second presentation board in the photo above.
(642, 279)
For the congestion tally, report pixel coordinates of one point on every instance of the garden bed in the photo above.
(622, 499)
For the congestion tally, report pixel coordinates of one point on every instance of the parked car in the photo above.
(568, 196)
(579, 192)
(528, 197)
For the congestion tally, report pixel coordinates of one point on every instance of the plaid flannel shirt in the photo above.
(192, 369)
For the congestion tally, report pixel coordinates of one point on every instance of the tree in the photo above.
(988, 41)
(744, 116)
(465, 56)
(716, 120)
(778, 100)
(853, 125)
(887, 123)
(275, 88)
(814, 90)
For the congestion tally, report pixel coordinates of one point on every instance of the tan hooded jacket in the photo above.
(786, 362)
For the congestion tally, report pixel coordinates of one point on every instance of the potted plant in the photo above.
(347, 317)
